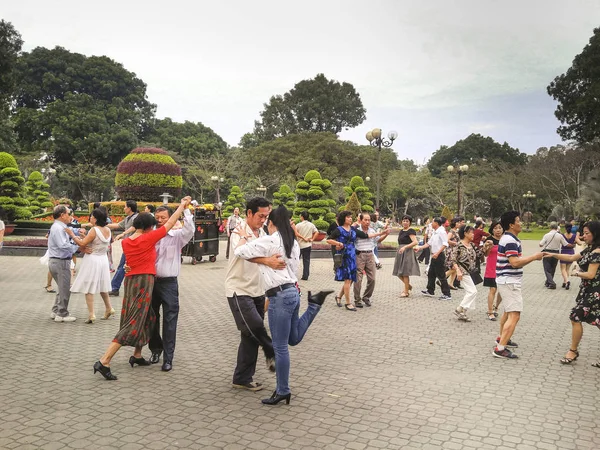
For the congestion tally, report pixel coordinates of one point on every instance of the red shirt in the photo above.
(140, 252)
(478, 234)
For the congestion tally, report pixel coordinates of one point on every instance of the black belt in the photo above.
(358, 252)
(165, 278)
(271, 292)
(62, 259)
(551, 251)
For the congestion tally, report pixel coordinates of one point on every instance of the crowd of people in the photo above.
(264, 252)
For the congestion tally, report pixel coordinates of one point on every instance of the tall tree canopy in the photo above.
(105, 104)
(472, 149)
(188, 139)
(317, 105)
(10, 46)
(577, 93)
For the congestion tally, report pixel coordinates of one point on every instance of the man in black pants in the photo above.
(166, 287)
(438, 241)
(247, 299)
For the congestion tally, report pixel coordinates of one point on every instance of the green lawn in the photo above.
(536, 234)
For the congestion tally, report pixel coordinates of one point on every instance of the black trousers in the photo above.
(249, 315)
(165, 294)
(437, 270)
(550, 268)
(425, 253)
(305, 254)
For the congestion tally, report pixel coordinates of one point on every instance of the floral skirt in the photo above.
(137, 316)
(587, 308)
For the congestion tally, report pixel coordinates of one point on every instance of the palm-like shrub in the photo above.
(12, 189)
(146, 173)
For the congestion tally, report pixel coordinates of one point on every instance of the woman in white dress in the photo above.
(94, 273)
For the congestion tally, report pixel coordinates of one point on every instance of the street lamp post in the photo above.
(262, 190)
(375, 139)
(460, 170)
(219, 180)
(528, 196)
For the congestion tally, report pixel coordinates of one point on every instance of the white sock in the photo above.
(499, 347)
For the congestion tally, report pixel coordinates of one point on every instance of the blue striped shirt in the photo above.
(509, 246)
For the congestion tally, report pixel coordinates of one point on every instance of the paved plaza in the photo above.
(403, 374)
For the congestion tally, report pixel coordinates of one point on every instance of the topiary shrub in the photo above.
(353, 205)
(312, 193)
(37, 193)
(447, 213)
(235, 199)
(12, 189)
(285, 196)
(146, 173)
(357, 185)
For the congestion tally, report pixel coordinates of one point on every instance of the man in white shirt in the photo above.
(438, 242)
(166, 286)
(365, 261)
(552, 242)
(306, 232)
(246, 297)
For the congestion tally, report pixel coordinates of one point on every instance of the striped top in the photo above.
(508, 247)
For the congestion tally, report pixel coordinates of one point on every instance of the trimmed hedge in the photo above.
(146, 173)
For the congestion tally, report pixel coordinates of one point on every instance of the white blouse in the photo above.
(269, 246)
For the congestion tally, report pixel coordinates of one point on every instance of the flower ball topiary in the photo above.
(146, 173)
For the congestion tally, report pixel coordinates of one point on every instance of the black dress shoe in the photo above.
(104, 371)
(139, 361)
(114, 293)
(154, 358)
(319, 297)
(166, 367)
(276, 398)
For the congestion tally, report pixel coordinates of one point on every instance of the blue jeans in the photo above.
(287, 328)
(119, 275)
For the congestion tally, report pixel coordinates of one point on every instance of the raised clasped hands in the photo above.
(186, 201)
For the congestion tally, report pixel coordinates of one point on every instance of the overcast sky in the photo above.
(433, 70)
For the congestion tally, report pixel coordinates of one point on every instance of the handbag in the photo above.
(337, 260)
(476, 277)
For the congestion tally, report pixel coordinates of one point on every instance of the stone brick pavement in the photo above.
(402, 374)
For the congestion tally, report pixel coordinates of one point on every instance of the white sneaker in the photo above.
(65, 319)
(52, 315)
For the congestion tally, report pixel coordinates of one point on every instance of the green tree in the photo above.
(12, 189)
(357, 186)
(576, 92)
(314, 195)
(235, 199)
(190, 140)
(472, 149)
(315, 105)
(78, 108)
(37, 193)
(287, 159)
(10, 47)
(353, 205)
(285, 196)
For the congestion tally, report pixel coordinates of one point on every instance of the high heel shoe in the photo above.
(91, 319)
(109, 314)
(139, 361)
(104, 371)
(276, 398)
(319, 297)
